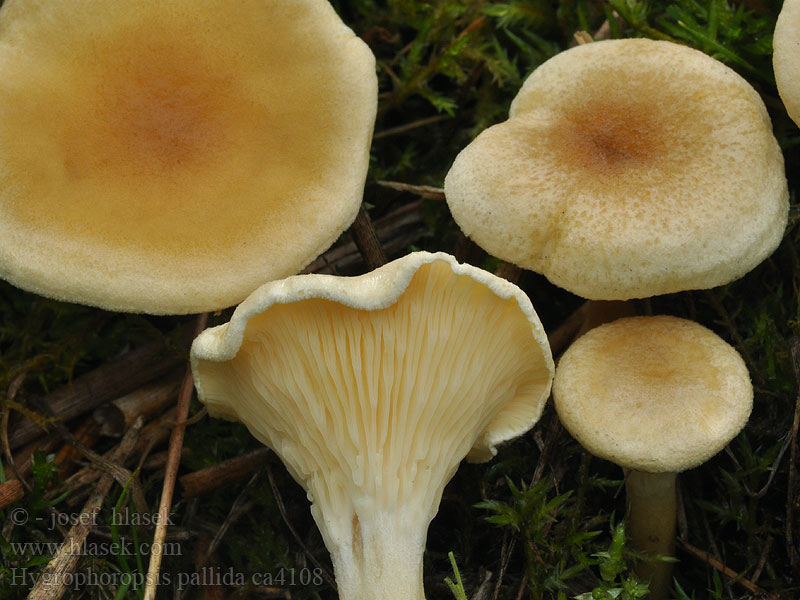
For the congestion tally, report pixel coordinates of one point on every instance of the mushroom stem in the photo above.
(380, 558)
(600, 312)
(651, 525)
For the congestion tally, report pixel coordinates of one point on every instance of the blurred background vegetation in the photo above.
(544, 519)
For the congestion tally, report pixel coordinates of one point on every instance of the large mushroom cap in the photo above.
(786, 57)
(372, 389)
(170, 156)
(657, 394)
(627, 168)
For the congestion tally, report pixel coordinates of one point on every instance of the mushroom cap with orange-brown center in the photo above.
(627, 168)
(170, 156)
(656, 394)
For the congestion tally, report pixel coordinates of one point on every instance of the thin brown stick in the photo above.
(109, 381)
(216, 476)
(428, 192)
(11, 491)
(506, 551)
(794, 559)
(240, 507)
(88, 433)
(410, 126)
(523, 585)
(151, 435)
(158, 460)
(10, 395)
(171, 475)
(484, 589)
(23, 458)
(366, 240)
(544, 455)
(110, 466)
(762, 561)
(395, 230)
(116, 417)
(282, 509)
(156, 432)
(55, 579)
(713, 562)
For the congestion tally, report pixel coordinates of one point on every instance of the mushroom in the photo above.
(170, 156)
(786, 57)
(372, 389)
(627, 169)
(655, 395)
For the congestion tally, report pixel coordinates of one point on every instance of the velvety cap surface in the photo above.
(627, 168)
(170, 156)
(652, 393)
(786, 57)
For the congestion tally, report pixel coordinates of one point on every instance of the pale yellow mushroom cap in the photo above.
(170, 156)
(372, 389)
(657, 394)
(786, 57)
(627, 168)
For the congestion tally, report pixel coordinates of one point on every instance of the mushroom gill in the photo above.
(372, 390)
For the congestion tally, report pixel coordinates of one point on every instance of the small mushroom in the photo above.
(170, 156)
(655, 395)
(627, 169)
(786, 57)
(372, 389)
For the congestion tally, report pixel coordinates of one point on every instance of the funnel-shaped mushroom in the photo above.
(786, 57)
(371, 390)
(170, 156)
(627, 169)
(656, 395)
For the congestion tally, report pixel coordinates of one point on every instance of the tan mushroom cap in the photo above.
(786, 57)
(372, 389)
(627, 168)
(656, 394)
(170, 156)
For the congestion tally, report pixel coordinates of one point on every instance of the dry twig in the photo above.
(216, 476)
(116, 417)
(410, 126)
(282, 509)
(55, 578)
(11, 491)
(710, 560)
(109, 381)
(87, 432)
(395, 230)
(366, 240)
(791, 496)
(428, 192)
(171, 475)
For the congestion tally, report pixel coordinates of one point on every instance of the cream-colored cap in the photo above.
(657, 394)
(786, 57)
(627, 168)
(372, 389)
(170, 156)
